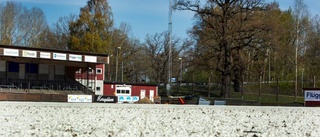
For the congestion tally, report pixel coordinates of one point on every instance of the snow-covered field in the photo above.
(154, 120)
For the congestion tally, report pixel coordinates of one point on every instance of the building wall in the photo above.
(145, 91)
(82, 73)
(99, 87)
(94, 76)
(100, 69)
(59, 70)
(150, 91)
(3, 66)
(109, 89)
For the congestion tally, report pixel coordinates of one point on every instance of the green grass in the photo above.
(270, 99)
(251, 94)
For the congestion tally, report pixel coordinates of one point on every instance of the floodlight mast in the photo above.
(170, 45)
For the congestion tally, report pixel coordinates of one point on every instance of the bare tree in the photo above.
(21, 26)
(30, 26)
(227, 27)
(58, 36)
(9, 18)
(301, 18)
(156, 50)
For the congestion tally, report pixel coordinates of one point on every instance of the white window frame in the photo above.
(123, 91)
(99, 69)
(98, 88)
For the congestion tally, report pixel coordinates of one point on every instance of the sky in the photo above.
(144, 16)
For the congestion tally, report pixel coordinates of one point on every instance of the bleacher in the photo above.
(39, 83)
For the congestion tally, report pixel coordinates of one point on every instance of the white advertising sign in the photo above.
(59, 56)
(129, 99)
(90, 59)
(29, 53)
(73, 57)
(11, 52)
(313, 95)
(80, 98)
(45, 55)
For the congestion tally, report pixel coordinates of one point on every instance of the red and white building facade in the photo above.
(92, 78)
(123, 92)
(130, 92)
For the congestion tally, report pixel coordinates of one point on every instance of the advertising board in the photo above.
(59, 56)
(45, 55)
(106, 99)
(90, 59)
(73, 57)
(128, 99)
(29, 53)
(80, 98)
(11, 52)
(312, 97)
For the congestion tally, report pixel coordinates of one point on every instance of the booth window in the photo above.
(98, 88)
(123, 91)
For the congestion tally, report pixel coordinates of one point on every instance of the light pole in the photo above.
(121, 71)
(168, 87)
(268, 53)
(180, 72)
(180, 69)
(117, 58)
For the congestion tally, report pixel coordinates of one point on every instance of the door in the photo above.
(142, 94)
(51, 72)
(152, 95)
(22, 71)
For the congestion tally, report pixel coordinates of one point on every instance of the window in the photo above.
(123, 91)
(98, 88)
(90, 70)
(99, 71)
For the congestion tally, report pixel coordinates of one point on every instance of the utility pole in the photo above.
(170, 44)
(180, 70)
(296, 62)
(122, 71)
(117, 60)
(269, 76)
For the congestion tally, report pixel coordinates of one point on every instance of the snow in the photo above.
(98, 119)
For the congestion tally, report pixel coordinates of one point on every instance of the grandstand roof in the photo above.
(51, 56)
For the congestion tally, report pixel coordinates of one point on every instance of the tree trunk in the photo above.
(237, 81)
(224, 91)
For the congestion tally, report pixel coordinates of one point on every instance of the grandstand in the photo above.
(49, 71)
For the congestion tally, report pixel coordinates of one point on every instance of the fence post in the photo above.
(277, 97)
(260, 87)
(314, 81)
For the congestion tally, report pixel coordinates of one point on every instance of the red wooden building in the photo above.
(130, 92)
